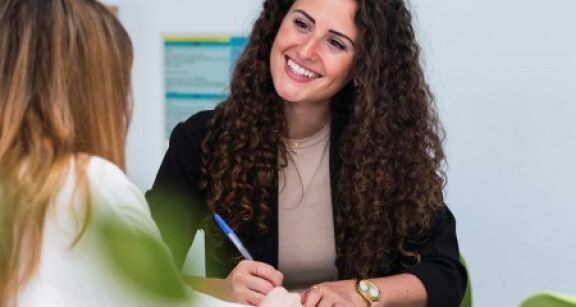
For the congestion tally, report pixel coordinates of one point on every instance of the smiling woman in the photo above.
(312, 55)
(326, 160)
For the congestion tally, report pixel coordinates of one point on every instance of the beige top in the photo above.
(307, 251)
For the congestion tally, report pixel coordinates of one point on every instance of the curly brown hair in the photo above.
(391, 178)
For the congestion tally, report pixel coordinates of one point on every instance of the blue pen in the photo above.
(233, 237)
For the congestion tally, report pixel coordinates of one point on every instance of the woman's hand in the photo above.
(279, 297)
(250, 281)
(340, 293)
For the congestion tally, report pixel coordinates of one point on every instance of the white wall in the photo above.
(504, 74)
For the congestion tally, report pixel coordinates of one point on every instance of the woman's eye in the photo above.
(300, 24)
(337, 44)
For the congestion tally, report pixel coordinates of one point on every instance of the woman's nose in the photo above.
(309, 49)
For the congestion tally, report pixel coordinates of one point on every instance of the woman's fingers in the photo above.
(313, 296)
(255, 283)
(325, 302)
(332, 294)
(254, 298)
(266, 271)
(251, 281)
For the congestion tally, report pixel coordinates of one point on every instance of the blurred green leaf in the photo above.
(141, 259)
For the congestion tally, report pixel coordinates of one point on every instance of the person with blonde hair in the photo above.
(64, 112)
(74, 231)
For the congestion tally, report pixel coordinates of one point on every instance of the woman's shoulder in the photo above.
(100, 176)
(105, 176)
(98, 189)
(119, 230)
(188, 135)
(196, 124)
(199, 119)
(112, 193)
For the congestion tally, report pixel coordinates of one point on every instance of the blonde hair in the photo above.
(64, 93)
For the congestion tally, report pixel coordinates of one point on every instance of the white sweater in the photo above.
(85, 274)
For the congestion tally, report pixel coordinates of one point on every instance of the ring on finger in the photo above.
(319, 289)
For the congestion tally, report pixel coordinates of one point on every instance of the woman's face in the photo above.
(313, 52)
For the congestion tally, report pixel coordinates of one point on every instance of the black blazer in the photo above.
(180, 210)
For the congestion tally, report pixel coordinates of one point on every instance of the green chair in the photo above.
(467, 300)
(549, 299)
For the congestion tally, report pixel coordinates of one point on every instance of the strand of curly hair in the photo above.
(391, 177)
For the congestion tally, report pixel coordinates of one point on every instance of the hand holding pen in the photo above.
(250, 280)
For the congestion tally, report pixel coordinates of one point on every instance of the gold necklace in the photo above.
(292, 145)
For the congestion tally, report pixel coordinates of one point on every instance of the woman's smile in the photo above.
(299, 72)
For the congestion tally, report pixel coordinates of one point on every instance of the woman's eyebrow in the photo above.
(305, 14)
(340, 34)
(343, 36)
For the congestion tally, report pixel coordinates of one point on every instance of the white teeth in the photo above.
(299, 70)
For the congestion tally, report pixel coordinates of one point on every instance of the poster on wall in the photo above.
(197, 71)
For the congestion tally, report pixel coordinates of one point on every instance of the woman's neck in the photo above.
(304, 120)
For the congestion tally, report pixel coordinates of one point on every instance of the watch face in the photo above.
(373, 292)
(369, 289)
(363, 286)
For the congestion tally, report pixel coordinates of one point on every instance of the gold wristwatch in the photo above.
(368, 290)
